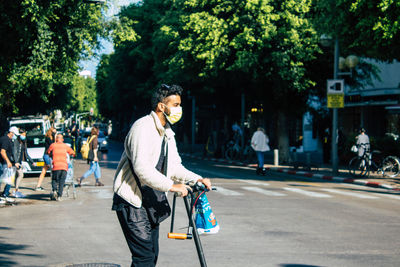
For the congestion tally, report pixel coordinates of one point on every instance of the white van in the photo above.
(36, 128)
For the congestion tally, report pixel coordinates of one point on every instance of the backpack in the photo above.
(86, 147)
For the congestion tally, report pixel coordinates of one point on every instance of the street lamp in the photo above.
(338, 63)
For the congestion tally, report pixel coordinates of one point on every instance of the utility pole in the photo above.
(243, 108)
(193, 122)
(335, 113)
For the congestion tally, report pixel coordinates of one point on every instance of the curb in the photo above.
(305, 174)
(336, 179)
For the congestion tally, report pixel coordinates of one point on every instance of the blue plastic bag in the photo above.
(206, 222)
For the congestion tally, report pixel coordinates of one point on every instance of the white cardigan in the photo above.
(143, 147)
(259, 141)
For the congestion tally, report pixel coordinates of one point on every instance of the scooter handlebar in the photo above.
(196, 187)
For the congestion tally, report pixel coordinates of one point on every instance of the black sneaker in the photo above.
(263, 171)
(53, 195)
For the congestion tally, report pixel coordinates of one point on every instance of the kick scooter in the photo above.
(192, 229)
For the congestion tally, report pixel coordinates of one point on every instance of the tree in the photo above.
(43, 43)
(83, 95)
(367, 28)
(126, 78)
(261, 47)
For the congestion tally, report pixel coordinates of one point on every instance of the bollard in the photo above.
(276, 157)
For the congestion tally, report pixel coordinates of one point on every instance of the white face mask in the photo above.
(175, 114)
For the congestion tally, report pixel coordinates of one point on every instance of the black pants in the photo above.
(141, 236)
(58, 180)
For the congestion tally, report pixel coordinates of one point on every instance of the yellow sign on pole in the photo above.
(335, 93)
(335, 101)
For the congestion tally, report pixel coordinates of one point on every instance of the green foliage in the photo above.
(43, 41)
(225, 46)
(366, 28)
(83, 95)
(126, 78)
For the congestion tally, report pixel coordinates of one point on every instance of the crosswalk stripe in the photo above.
(263, 191)
(227, 192)
(253, 182)
(353, 194)
(307, 193)
(388, 195)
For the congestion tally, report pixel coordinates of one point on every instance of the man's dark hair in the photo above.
(163, 92)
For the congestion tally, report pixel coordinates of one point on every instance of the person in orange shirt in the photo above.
(58, 151)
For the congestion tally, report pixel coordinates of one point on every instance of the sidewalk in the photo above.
(28, 184)
(318, 171)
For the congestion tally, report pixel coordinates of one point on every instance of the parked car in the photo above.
(103, 142)
(36, 128)
(102, 139)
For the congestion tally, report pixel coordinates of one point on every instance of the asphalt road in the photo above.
(276, 220)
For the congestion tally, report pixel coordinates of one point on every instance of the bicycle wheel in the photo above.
(390, 166)
(358, 167)
(230, 153)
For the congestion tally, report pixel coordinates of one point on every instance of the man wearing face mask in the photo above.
(7, 154)
(150, 166)
(20, 155)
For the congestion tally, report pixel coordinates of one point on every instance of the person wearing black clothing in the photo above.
(74, 131)
(20, 155)
(49, 139)
(7, 154)
(149, 167)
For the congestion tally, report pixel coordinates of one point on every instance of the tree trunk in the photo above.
(282, 133)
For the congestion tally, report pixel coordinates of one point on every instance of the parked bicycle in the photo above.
(235, 152)
(232, 151)
(361, 166)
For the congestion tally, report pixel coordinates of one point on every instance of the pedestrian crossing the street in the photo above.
(260, 187)
(241, 187)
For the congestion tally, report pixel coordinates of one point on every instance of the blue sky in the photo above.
(107, 47)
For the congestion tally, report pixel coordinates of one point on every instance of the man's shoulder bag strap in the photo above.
(155, 202)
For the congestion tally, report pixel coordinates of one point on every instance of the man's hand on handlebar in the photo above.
(206, 182)
(181, 189)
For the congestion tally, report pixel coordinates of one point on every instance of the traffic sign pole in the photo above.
(335, 113)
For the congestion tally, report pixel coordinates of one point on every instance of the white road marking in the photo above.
(353, 185)
(353, 194)
(105, 195)
(253, 182)
(213, 174)
(263, 191)
(307, 193)
(388, 195)
(227, 192)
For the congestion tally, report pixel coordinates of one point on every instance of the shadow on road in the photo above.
(8, 251)
(94, 265)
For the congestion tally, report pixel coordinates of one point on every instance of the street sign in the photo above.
(335, 93)
(335, 101)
